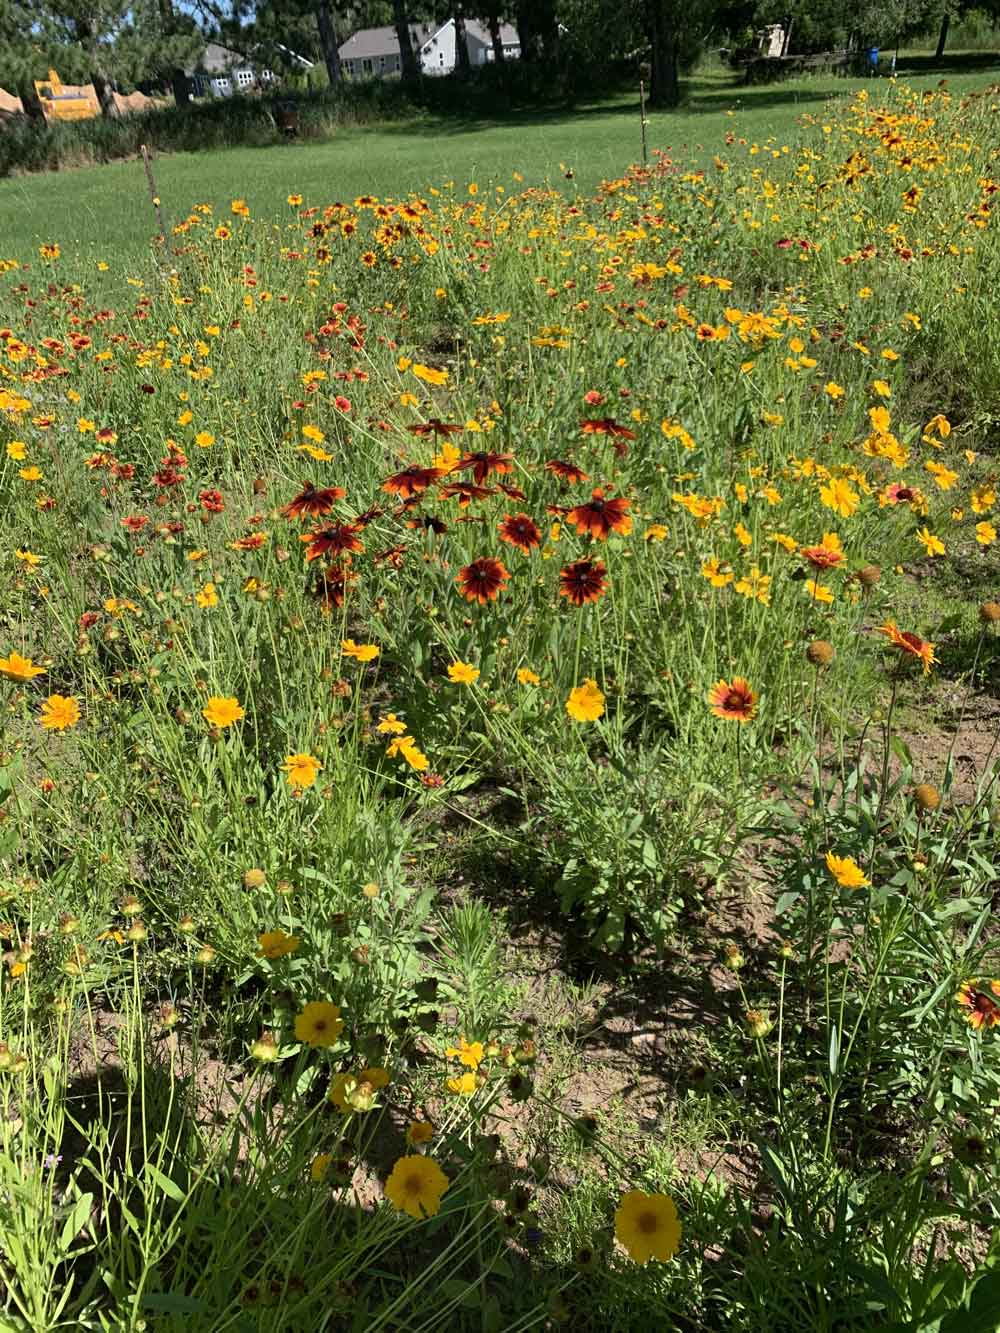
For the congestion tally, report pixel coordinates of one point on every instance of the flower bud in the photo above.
(254, 878)
(869, 576)
(758, 1022)
(926, 797)
(989, 613)
(265, 1049)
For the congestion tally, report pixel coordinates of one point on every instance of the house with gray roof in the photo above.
(373, 53)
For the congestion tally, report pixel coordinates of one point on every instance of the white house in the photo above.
(374, 52)
(221, 71)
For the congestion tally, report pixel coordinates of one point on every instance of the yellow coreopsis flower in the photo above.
(274, 944)
(361, 652)
(222, 712)
(846, 871)
(463, 673)
(415, 1186)
(839, 495)
(319, 1024)
(16, 667)
(648, 1227)
(932, 545)
(429, 375)
(585, 702)
(60, 711)
(302, 769)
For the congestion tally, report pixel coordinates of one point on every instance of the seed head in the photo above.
(820, 653)
(989, 613)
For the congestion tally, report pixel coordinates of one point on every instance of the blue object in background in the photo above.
(873, 59)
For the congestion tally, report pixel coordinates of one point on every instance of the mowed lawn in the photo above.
(105, 212)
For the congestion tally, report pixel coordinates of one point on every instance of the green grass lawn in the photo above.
(105, 212)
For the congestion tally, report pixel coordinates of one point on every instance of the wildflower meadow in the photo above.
(497, 797)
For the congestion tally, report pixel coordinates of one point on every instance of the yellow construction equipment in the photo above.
(66, 101)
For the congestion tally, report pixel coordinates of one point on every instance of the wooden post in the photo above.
(154, 197)
(642, 118)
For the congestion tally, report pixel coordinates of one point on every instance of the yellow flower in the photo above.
(833, 390)
(944, 477)
(463, 673)
(319, 1024)
(933, 545)
(419, 1131)
(648, 1226)
(939, 425)
(319, 1166)
(718, 574)
(470, 1053)
(28, 558)
(16, 667)
(207, 596)
(294, 200)
(839, 495)
(416, 1186)
(361, 652)
(526, 676)
(882, 389)
(301, 769)
(391, 725)
(743, 535)
(60, 711)
(464, 1085)
(30, 473)
(276, 944)
(222, 712)
(846, 871)
(880, 419)
(313, 433)
(983, 498)
(429, 375)
(17, 450)
(416, 758)
(585, 702)
(656, 532)
(320, 455)
(986, 533)
(819, 592)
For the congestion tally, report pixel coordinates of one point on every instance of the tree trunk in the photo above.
(495, 38)
(29, 100)
(943, 35)
(664, 86)
(527, 30)
(407, 55)
(181, 85)
(328, 41)
(462, 62)
(98, 74)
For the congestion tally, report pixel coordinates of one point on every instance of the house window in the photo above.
(368, 67)
(244, 77)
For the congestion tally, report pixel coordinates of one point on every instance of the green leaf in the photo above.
(76, 1221)
(169, 1187)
